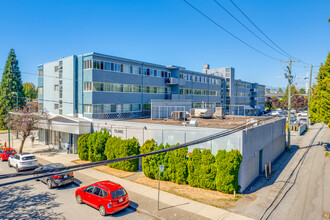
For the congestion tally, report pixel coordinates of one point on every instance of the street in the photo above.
(298, 188)
(33, 200)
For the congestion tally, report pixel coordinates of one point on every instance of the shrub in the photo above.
(83, 147)
(175, 164)
(96, 142)
(209, 170)
(91, 142)
(117, 148)
(149, 162)
(228, 164)
(194, 167)
(326, 153)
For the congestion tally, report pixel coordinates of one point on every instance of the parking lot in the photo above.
(33, 200)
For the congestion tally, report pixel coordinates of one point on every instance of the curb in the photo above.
(144, 211)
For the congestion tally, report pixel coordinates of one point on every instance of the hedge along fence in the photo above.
(117, 148)
(100, 146)
(175, 163)
(200, 169)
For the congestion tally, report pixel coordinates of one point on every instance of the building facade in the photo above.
(99, 86)
(242, 97)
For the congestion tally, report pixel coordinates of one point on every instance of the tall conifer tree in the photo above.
(10, 84)
(319, 107)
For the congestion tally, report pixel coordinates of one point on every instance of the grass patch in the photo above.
(106, 169)
(209, 197)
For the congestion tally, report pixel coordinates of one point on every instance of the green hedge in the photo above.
(83, 147)
(175, 163)
(228, 164)
(201, 169)
(117, 148)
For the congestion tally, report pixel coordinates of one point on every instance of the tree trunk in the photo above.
(22, 144)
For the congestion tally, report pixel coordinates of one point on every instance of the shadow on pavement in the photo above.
(130, 209)
(174, 206)
(18, 202)
(277, 168)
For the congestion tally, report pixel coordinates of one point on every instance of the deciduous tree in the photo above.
(30, 90)
(24, 121)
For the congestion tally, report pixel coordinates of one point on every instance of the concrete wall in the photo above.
(270, 138)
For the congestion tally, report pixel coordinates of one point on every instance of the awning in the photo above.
(67, 124)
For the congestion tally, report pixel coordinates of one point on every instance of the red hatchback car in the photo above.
(6, 153)
(106, 196)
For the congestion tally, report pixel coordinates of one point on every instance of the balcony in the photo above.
(175, 81)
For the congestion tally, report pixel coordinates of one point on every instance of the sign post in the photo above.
(161, 169)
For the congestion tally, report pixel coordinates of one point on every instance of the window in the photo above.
(159, 73)
(117, 67)
(87, 64)
(55, 106)
(40, 90)
(40, 72)
(118, 193)
(106, 65)
(144, 71)
(97, 108)
(96, 64)
(161, 90)
(155, 72)
(148, 72)
(146, 89)
(118, 87)
(97, 191)
(89, 189)
(103, 193)
(102, 65)
(130, 69)
(136, 88)
(140, 70)
(127, 88)
(112, 66)
(121, 67)
(55, 87)
(56, 69)
(97, 86)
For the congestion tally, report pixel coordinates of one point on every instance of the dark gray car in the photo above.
(55, 180)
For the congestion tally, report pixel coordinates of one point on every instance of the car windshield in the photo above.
(118, 193)
(28, 158)
(10, 151)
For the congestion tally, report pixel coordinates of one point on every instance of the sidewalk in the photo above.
(146, 197)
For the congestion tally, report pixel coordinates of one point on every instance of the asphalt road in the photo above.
(33, 200)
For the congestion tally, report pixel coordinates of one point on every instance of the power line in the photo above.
(248, 28)
(260, 29)
(231, 34)
(265, 34)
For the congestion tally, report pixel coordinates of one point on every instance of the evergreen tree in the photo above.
(10, 84)
(320, 100)
(279, 90)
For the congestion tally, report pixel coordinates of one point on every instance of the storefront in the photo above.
(62, 132)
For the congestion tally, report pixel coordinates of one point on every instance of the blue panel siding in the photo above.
(114, 98)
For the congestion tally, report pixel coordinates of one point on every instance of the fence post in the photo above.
(270, 168)
(266, 170)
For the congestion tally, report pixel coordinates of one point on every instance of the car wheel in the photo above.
(9, 164)
(17, 169)
(102, 211)
(78, 199)
(49, 184)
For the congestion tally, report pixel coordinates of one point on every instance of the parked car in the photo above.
(304, 114)
(55, 180)
(6, 153)
(108, 197)
(23, 161)
(302, 120)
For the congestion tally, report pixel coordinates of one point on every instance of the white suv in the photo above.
(23, 161)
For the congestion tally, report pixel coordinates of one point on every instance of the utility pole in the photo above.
(309, 92)
(289, 77)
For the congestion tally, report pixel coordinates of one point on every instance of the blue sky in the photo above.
(167, 32)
